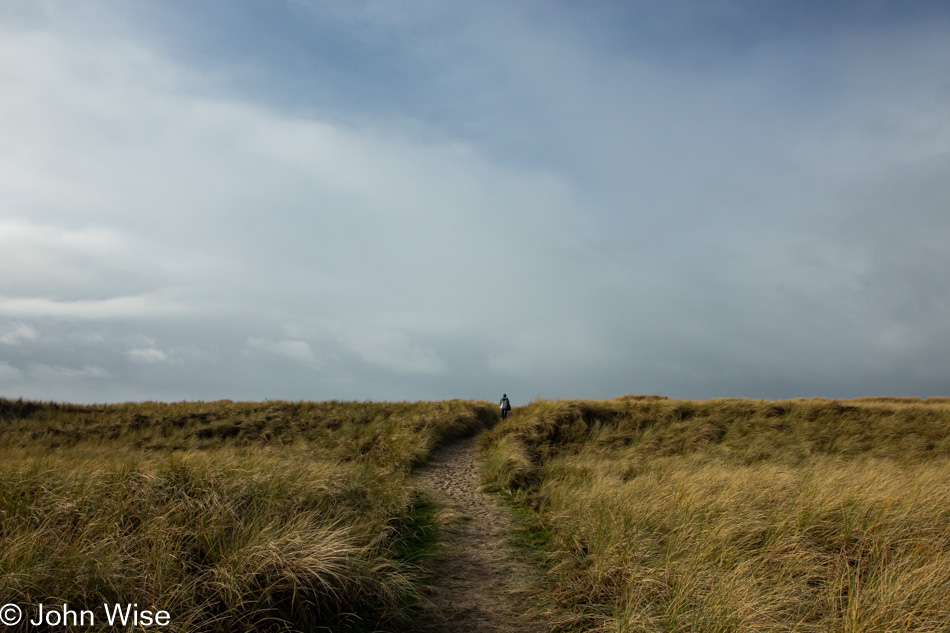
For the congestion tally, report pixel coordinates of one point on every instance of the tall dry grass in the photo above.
(231, 516)
(731, 515)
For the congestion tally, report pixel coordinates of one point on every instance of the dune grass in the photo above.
(733, 515)
(230, 516)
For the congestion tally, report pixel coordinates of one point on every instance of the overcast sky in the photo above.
(415, 199)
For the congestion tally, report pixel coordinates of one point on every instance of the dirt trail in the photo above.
(478, 574)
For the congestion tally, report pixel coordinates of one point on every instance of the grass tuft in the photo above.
(277, 516)
(735, 515)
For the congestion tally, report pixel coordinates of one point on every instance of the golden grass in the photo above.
(732, 515)
(231, 516)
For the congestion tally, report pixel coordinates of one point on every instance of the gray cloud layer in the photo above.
(435, 202)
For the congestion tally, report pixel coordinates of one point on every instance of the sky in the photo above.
(411, 199)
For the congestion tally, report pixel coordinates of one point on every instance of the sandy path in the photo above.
(478, 574)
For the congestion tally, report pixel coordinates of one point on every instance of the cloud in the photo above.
(129, 307)
(529, 354)
(297, 350)
(566, 205)
(147, 355)
(9, 373)
(145, 350)
(73, 263)
(19, 333)
(391, 349)
(42, 371)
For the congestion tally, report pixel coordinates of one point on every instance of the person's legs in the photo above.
(504, 413)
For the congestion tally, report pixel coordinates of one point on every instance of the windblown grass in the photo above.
(732, 515)
(231, 516)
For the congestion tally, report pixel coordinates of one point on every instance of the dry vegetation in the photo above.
(231, 516)
(734, 515)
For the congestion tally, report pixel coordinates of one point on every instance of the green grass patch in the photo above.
(418, 532)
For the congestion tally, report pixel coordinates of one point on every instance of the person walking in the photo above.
(505, 406)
